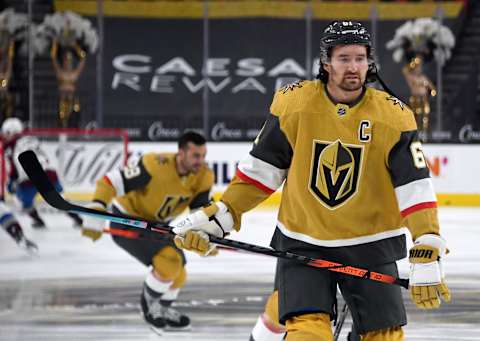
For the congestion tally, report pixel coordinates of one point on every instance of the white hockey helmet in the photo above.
(12, 126)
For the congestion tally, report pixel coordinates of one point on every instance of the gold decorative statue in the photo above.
(67, 75)
(421, 89)
(67, 37)
(7, 48)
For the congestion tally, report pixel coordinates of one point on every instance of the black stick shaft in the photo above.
(37, 175)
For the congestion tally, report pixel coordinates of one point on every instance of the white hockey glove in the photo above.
(93, 227)
(427, 284)
(192, 232)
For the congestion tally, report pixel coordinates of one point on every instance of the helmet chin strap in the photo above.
(384, 86)
(374, 74)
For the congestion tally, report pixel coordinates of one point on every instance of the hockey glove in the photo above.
(427, 286)
(192, 232)
(93, 227)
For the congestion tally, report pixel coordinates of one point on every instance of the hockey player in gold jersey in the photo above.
(354, 178)
(157, 187)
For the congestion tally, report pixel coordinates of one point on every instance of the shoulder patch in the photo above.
(395, 101)
(161, 159)
(291, 86)
(291, 96)
(403, 118)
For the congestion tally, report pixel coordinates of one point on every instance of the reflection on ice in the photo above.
(79, 290)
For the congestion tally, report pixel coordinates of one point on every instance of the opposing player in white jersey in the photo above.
(354, 176)
(18, 182)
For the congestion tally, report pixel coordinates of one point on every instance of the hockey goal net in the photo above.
(80, 157)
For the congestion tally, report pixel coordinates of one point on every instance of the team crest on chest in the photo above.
(335, 172)
(169, 205)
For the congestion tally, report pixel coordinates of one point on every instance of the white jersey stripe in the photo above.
(119, 207)
(415, 193)
(263, 172)
(341, 242)
(116, 180)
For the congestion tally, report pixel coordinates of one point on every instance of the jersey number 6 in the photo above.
(417, 154)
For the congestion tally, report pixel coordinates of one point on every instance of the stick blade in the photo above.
(37, 175)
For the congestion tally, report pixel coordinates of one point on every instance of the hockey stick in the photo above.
(150, 235)
(37, 175)
(341, 320)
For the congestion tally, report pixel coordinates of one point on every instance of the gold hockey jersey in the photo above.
(351, 175)
(152, 189)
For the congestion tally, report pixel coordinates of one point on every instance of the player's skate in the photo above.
(174, 319)
(160, 315)
(77, 221)
(37, 222)
(16, 232)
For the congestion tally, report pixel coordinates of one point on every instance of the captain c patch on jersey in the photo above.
(335, 172)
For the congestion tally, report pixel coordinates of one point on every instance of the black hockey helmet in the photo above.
(344, 33)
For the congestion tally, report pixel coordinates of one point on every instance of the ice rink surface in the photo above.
(78, 290)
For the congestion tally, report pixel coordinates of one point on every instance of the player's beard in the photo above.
(194, 168)
(351, 84)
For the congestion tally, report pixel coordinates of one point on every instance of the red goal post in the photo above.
(80, 156)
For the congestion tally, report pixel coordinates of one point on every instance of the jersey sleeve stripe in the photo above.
(255, 183)
(418, 207)
(262, 172)
(115, 179)
(415, 193)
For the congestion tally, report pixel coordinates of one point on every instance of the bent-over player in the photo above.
(158, 187)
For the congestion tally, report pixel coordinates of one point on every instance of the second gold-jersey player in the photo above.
(157, 187)
(153, 189)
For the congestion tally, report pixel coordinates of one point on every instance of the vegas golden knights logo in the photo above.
(169, 205)
(335, 172)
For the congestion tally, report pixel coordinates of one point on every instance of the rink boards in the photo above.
(453, 167)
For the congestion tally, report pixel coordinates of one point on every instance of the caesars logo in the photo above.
(139, 73)
(335, 172)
